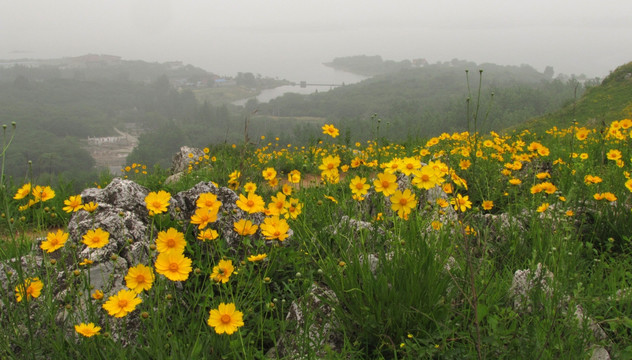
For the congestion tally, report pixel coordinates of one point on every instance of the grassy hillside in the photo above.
(601, 104)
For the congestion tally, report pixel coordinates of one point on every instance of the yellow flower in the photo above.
(278, 203)
(208, 200)
(269, 173)
(23, 192)
(294, 176)
(569, 213)
(121, 304)
(139, 278)
(250, 187)
(203, 216)
(487, 205)
(329, 166)
(225, 319)
(157, 202)
(85, 262)
(409, 164)
(208, 234)
(437, 225)
(614, 154)
(628, 184)
(465, 164)
(287, 189)
(96, 238)
(97, 294)
(73, 204)
(31, 288)
(222, 271)
(174, 266)
(274, 228)
(426, 178)
(329, 129)
(461, 203)
(258, 257)
(293, 210)
(385, 183)
(403, 202)
(43, 193)
(331, 198)
(170, 241)
(87, 330)
(543, 207)
(54, 241)
(251, 204)
(359, 186)
(515, 181)
(90, 207)
(245, 227)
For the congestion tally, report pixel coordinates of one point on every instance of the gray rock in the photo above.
(181, 160)
(314, 314)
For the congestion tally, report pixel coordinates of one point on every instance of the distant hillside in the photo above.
(370, 65)
(431, 99)
(609, 101)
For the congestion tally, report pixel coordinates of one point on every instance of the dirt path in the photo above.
(111, 152)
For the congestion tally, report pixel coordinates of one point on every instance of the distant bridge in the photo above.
(304, 84)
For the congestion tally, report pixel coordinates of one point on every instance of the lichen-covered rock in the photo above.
(525, 281)
(314, 314)
(185, 157)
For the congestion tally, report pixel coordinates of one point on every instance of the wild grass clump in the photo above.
(364, 251)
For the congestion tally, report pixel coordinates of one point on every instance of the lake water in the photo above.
(317, 74)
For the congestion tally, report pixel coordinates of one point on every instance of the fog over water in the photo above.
(291, 39)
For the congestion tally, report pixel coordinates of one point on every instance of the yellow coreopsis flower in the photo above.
(204, 216)
(97, 238)
(54, 241)
(23, 192)
(251, 204)
(487, 205)
(87, 330)
(222, 271)
(90, 207)
(543, 207)
(157, 202)
(245, 227)
(403, 202)
(294, 176)
(73, 204)
(278, 203)
(225, 319)
(174, 266)
(614, 155)
(139, 278)
(359, 186)
(386, 183)
(269, 173)
(293, 210)
(275, 228)
(329, 129)
(628, 184)
(43, 193)
(256, 258)
(170, 241)
(208, 200)
(208, 234)
(31, 288)
(461, 203)
(121, 304)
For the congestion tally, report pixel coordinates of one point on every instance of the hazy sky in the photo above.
(286, 37)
